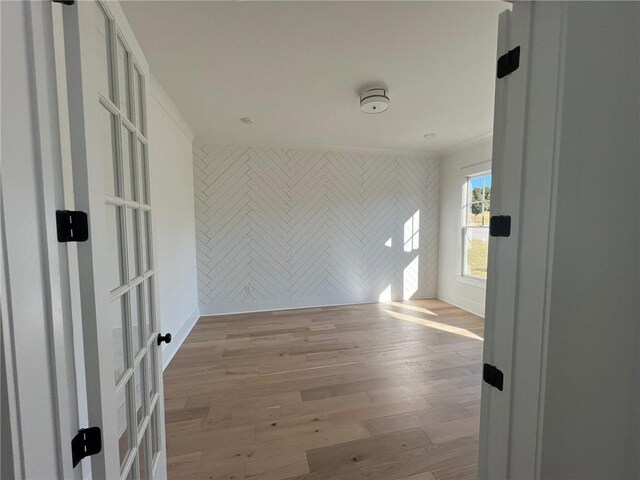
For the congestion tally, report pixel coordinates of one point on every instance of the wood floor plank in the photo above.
(368, 450)
(387, 391)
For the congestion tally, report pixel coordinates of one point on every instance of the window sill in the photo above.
(474, 282)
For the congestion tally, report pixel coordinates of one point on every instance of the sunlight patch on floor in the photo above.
(415, 308)
(437, 325)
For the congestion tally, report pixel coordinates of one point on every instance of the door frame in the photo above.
(32, 450)
(42, 389)
(511, 427)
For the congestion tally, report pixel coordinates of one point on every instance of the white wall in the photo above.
(171, 151)
(455, 166)
(280, 227)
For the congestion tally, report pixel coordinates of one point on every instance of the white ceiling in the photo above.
(297, 68)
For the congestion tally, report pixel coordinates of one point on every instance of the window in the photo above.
(475, 229)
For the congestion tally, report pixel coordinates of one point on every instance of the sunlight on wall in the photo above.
(412, 232)
(385, 296)
(388, 243)
(410, 279)
(437, 325)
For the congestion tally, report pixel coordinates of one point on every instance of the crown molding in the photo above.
(158, 92)
(467, 143)
(205, 139)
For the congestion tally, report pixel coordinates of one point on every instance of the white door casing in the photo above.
(527, 133)
(105, 78)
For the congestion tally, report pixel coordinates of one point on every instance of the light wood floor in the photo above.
(378, 392)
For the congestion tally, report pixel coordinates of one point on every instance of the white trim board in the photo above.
(467, 143)
(218, 312)
(167, 104)
(463, 303)
(214, 140)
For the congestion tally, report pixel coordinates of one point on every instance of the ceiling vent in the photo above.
(374, 100)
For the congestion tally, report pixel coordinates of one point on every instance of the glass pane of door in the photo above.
(108, 152)
(102, 29)
(124, 424)
(123, 77)
(117, 314)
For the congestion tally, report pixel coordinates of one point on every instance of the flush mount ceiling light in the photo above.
(374, 100)
(247, 120)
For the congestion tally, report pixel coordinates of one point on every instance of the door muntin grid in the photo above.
(127, 202)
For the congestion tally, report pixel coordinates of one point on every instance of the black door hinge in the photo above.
(64, 2)
(72, 226)
(493, 376)
(500, 226)
(509, 62)
(87, 442)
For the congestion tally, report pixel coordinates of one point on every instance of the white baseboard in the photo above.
(169, 350)
(217, 310)
(463, 303)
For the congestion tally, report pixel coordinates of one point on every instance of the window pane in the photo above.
(139, 388)
(103, 55)
(114, 247)
(132, 242)
(139, 95)
(475, 191)
(148, 307)
(143, 169)
(144, 243)
(153, 433)
(107, 131)
(123, 78)
(476, 182)
(136, 326)
(487, 180)
(124, 424)
(475, 214)
(477, 250)
(487, 189)
(151, 377)
(128, 164)
(117, 310)
(142, 457)
(146, 226)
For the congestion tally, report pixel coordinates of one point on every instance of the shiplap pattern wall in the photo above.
(283, 227)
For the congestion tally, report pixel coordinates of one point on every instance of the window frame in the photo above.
(475, 171)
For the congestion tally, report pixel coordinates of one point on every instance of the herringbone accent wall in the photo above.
(282, 228)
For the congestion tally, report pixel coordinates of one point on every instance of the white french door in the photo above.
(508, 144)
(106, 76)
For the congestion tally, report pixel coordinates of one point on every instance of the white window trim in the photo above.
(466, 172)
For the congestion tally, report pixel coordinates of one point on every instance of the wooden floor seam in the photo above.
(383, 391)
